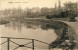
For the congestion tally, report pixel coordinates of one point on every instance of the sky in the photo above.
(5, 4)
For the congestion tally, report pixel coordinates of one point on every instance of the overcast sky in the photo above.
(30, 3)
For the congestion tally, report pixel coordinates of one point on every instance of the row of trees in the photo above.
(68, 9)
(27, 12)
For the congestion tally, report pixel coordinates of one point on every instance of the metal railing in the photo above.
(9, 39)
(24, 45)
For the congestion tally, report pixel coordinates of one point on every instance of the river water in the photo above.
(29, 29)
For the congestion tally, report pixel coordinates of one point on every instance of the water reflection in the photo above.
(36, 24)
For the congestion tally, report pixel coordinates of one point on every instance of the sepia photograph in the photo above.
(38, 24)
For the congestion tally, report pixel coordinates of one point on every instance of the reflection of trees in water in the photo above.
(36, 24)
(14, 26)
(18, 25)
(56, 25)
(32, 25)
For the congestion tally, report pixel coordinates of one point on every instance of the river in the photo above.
(30, 29)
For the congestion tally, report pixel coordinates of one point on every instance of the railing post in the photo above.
(8, 40)
(33, 44)
(49, 47)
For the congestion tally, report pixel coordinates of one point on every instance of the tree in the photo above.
(72, 9)
(44, 10)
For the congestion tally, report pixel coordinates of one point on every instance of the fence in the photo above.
(9, 39)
